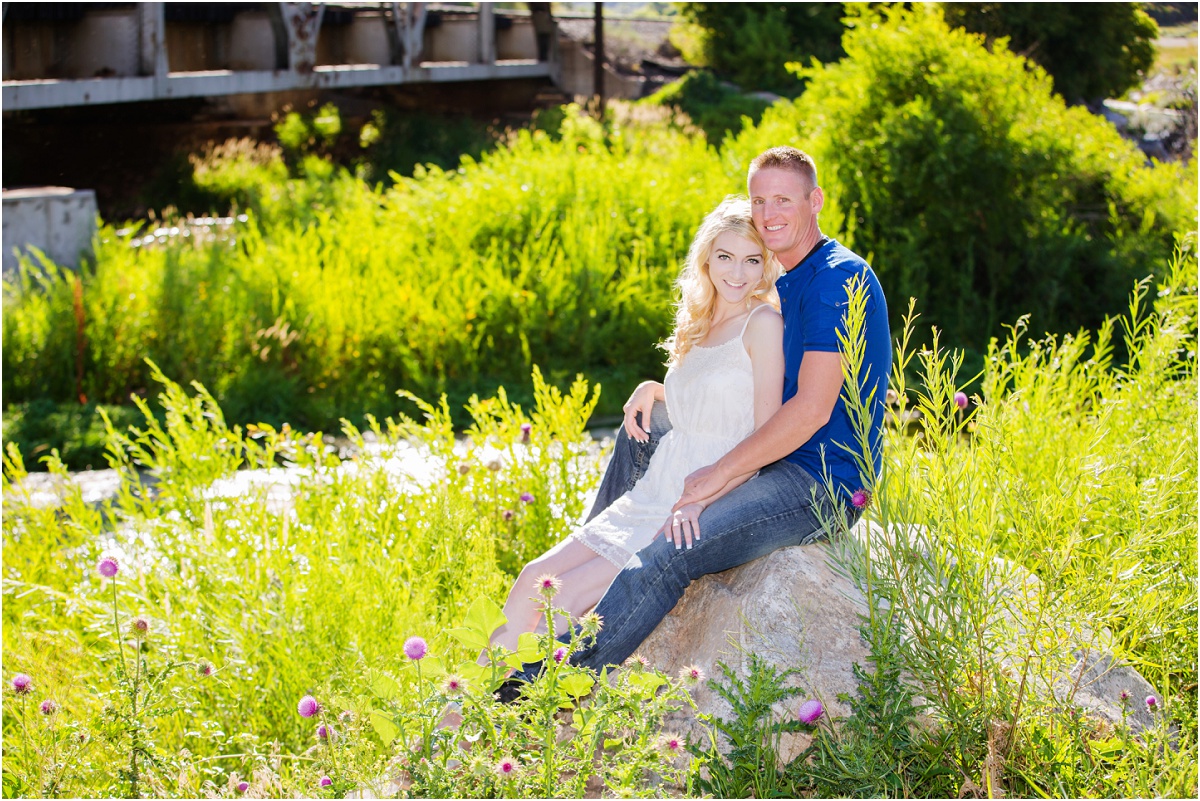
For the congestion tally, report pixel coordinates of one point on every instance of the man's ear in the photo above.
(817, 199)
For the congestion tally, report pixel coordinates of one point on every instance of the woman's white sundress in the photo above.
(710, 401)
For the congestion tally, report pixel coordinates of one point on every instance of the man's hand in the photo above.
(683, 525)
(641, 402)
(701, 487)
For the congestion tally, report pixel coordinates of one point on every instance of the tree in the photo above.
(1091, 50)
(749, 43)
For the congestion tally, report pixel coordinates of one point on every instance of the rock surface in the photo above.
(795, 609)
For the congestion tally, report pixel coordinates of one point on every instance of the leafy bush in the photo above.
(399, 141)
(1090, 50)
(750, 43)
(970, 185)
(716, 107)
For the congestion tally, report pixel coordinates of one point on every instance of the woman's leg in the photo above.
(584, 576)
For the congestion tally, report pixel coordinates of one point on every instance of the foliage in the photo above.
(330, 295)
(750, 43)
(397, 141)
(716, 107)
(1090, 50)
(73, 429)
(968, 184)
(989, 533)
(748, 769)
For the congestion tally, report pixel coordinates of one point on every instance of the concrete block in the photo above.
(58, 220)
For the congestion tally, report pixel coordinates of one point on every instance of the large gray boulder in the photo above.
(796, 608)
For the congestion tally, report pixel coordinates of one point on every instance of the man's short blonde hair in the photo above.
(787, 158)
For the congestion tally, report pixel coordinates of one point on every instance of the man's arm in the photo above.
(820, 382)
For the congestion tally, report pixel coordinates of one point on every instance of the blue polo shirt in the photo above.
(814, 299)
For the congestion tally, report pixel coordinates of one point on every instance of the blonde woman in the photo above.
(724, 380)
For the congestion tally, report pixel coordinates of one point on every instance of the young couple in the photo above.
(754, 424)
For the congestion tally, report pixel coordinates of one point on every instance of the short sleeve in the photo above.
(827, 311)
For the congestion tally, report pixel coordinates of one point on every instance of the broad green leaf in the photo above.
(385, 687)
(527, 651)
(483, 618)
(646, 681)
(577, 685)
(384, 726)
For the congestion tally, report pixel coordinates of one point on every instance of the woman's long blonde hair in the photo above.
(697, 296)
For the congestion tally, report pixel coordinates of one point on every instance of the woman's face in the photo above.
(735, 266)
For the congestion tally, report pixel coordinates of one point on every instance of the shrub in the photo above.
(970, 185)
(750, 43)
(718, 108)
(1090, 50)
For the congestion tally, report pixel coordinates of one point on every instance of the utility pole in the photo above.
(598, 74)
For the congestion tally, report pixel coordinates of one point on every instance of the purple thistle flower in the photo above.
(960, 400)
(346, 717)
(691, 674)
(108, 567)
(525, 429)
(559, 655)
(243, 786)
(22, 683)
(308, 707)
(672, 743)
(453, 685)
(415, 648)
(509, 514)
(205, 668)
(1151, 702)
(1124, 696)
(326, 781)
(505, 767)
(140, 627)
(48, 707)
(322, 732)
(809, 711)
(526, 497)
(861, 499)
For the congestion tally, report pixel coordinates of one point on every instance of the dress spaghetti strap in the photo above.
(748, 316)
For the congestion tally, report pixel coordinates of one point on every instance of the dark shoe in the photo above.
(510, 691)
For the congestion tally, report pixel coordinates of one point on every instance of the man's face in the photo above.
(784, 209)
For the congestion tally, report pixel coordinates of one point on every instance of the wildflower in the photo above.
(861, 499)
(140, 626)
(525, 429)
(494, 464)
(453, 685)
(508, 514)
(48, 707)
(809, 711)
(591, 623)
(526, 497)
(21, 683)
(892, 398)
(691, 675)
(463, 468)
(638, 662)
(548, 585)
(108, 567)
(560, 654)
(960, 400)
(1124, 696)
(1151, 702)
(323, 732)
(346, 717)
(671, 743)
(326, 781)
(308, 707)
(505, 767)
(243, 786)
(415, 648)
(204, 669)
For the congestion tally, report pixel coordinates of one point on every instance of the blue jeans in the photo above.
(783, 505)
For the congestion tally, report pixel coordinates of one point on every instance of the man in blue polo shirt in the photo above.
(804, 474)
